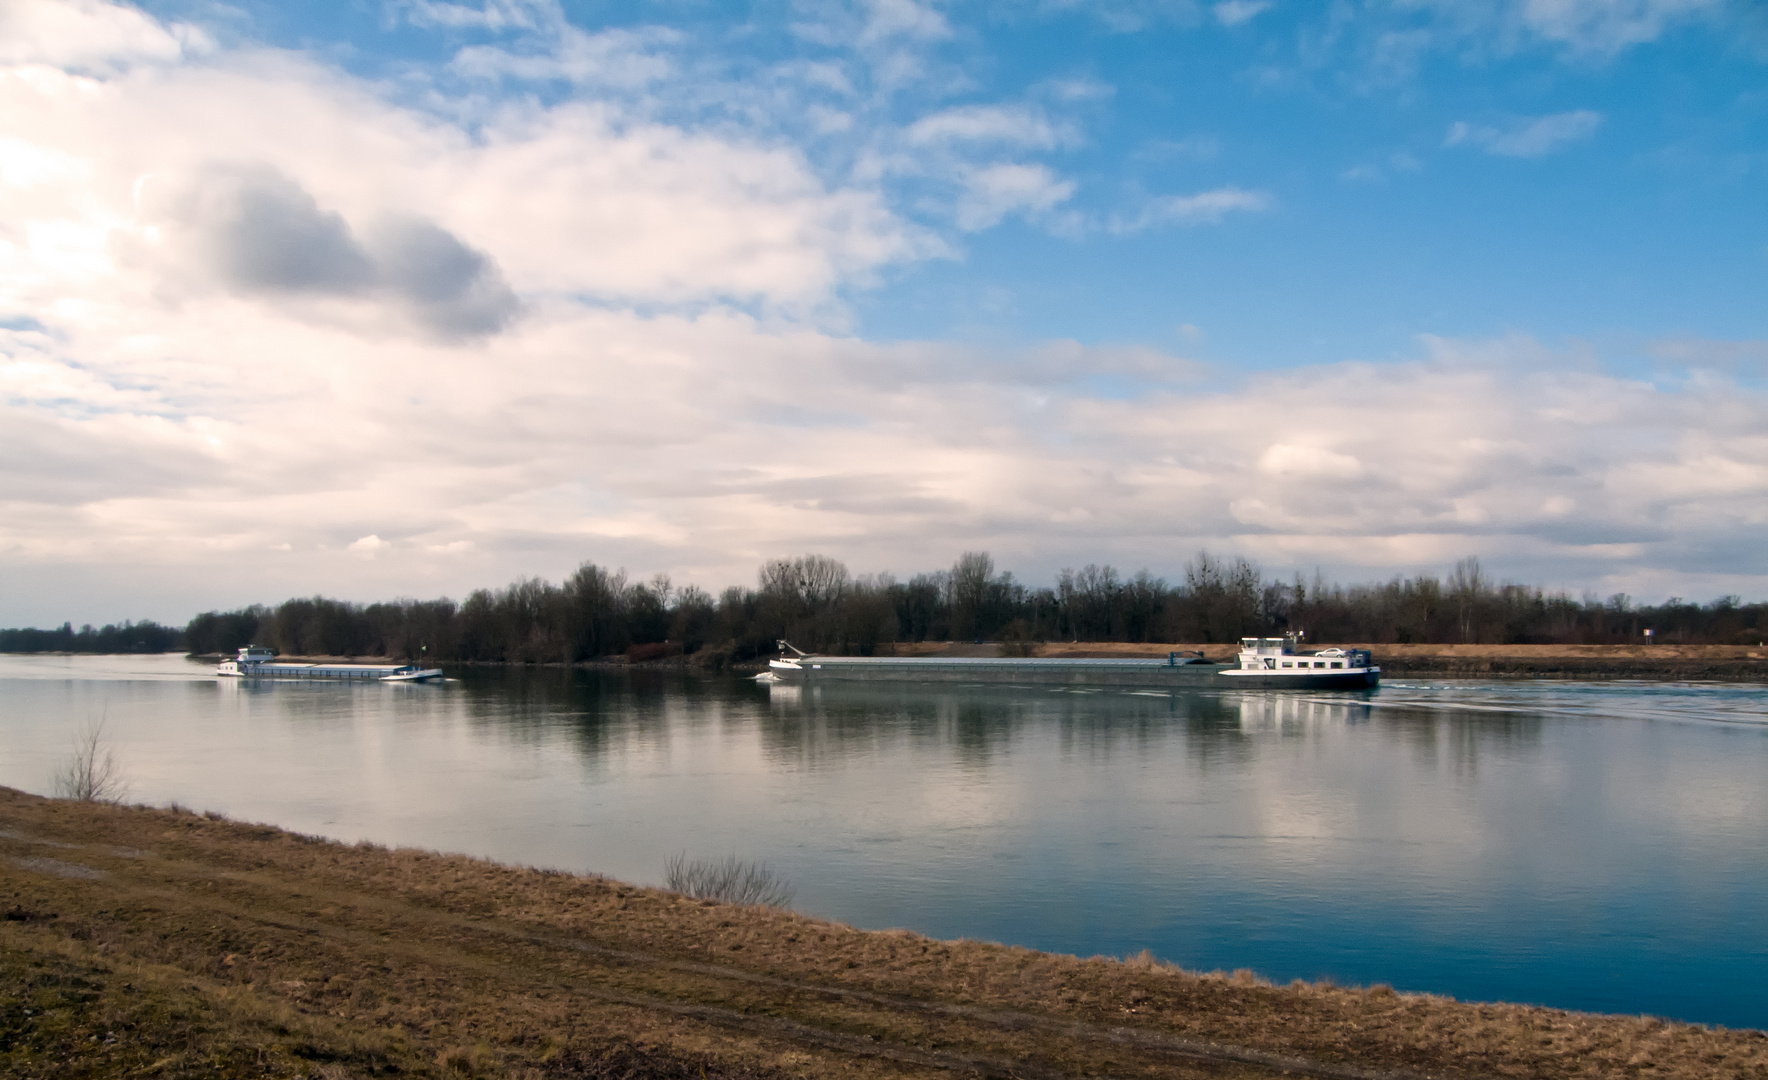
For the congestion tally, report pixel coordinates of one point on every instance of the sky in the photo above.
(380, 298)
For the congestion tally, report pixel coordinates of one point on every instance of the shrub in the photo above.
(730, 880)
(92, 773)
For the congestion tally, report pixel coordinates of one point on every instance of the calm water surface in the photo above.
(1594, 846)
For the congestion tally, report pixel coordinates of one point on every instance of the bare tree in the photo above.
(1468, 587)
(92, 773)
(970, 578)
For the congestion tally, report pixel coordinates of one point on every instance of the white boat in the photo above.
(1274, 663)
(257, 662)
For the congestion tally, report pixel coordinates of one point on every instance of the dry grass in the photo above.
(1724, 662)
(206, 947)
(1416, 651)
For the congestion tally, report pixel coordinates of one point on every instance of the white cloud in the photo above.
(1203, 208)
(1079, 90)
(991, 192)
(1015, 125)
(90, 34)
(886, 19)
(1608, 25)
(1132, 16)
(702, 444)
(609, 206)
(624, 59)
(1528, 137)
(1310, 462)
(1235, 12)
(1584, 28)
(491, 15)
(368, 546)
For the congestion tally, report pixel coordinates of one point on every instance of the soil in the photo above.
(165, 943)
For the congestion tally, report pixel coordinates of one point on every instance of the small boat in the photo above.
(257, 662)
(1274, 663)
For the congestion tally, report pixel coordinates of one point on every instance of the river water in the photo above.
(1592, 846)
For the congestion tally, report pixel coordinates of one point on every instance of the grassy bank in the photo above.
(162, 943)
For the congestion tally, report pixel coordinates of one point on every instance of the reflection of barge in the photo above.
(1273, 663)
(255, 662)
(1332, 669)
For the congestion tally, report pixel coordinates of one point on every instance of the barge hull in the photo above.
(1325, 680)
(1028, 672)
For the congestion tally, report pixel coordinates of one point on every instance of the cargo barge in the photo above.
(256, 662)
(1274, 664)
(1264, 663)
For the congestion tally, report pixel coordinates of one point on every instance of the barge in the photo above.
(1274, 664)
(256, 662)
(1175, 671)
(1264, 663)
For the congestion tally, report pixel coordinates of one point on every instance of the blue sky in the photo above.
(1644, 217)
(682, 286)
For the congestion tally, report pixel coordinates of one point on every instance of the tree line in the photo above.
(816, 603)
(124, 637)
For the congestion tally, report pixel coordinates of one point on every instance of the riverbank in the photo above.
(165, 943)
(1658, 663)
(1669, 663)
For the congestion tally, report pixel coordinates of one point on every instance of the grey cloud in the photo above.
(1606, 529)
(456, 291)
(262, 234)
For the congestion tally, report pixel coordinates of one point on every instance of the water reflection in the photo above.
(1588, 846)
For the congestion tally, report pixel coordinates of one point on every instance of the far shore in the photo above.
(1657, 662)
(167, 943)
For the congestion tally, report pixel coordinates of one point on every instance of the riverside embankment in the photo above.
(1727, 663)
(164, 943)
(1668, 663)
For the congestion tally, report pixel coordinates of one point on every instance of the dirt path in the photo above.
(161, 943)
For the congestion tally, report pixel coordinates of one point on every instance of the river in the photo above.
(1594, 846)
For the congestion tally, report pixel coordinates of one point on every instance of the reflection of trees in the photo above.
(603, 713)
(1456, 738)
(1509, 735)
(814, 724)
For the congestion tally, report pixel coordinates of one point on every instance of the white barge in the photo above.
(1274, 664)
(256, 662)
